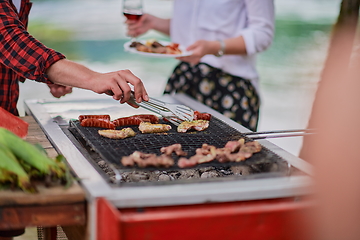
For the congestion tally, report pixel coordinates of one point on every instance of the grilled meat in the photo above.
(146, 127)
(156, 44)
(147, 160)
(156, 47)
(176, 148)
(201, 116)
(105, 116)
(135, 44)
(135, 120)
(198, 125)
(117, 134)
(234, 146)
(94, 122)
(234, 151)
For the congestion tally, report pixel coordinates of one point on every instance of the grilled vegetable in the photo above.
(11, 170)
(31, 155)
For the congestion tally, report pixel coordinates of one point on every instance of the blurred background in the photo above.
(92, 32)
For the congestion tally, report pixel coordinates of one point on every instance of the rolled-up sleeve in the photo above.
(20, 51)
(259, 33)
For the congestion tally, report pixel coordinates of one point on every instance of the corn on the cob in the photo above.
(31, 155)
(12, 171)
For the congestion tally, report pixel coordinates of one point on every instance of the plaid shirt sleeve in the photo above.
(20, 51)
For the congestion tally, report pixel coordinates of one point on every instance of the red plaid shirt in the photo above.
(21, 55)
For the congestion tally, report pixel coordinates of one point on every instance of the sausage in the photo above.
(201, 116)
(150, 117)
(94, 122)
(125, 121)
(135, 120)
(82, 117)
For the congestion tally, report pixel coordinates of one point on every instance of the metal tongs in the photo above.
(174, 113)
(280, 133)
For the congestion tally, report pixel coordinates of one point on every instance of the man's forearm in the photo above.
(68, 73)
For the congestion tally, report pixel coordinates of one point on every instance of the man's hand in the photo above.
(59, 90)
(116, 84)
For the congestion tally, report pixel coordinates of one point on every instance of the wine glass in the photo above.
(133, 10)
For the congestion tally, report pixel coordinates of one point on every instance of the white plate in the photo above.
(133, 50)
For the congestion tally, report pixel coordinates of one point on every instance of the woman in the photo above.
(224, 38)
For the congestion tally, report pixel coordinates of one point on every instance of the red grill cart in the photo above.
(268, 204)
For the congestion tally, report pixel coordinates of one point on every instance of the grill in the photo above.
(275, 172)
(218, 134)
(277, 175)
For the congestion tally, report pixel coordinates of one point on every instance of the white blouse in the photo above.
(221, 19)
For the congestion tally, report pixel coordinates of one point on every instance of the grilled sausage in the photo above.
(201, 116)
(82, 117)
(150, 117)
(125, 121)
(135, 120)
(94, 122)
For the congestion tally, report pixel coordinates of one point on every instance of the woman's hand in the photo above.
(141, 26)
(145, 23)
(199, 49)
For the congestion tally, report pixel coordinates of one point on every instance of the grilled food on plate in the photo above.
(153, 46)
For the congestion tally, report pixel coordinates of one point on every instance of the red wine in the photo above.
(132, 16)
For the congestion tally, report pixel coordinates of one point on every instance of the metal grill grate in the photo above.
(218, 133)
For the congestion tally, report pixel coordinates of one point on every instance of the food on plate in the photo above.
(105, 116)
(147, 127)
(234, 151)
(198, 125)
(175, 148)
(135, 120)
(117, 134)
(153, 46)
(95, 122)
(147, 160)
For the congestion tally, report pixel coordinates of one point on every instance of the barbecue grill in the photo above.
(274, 173)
